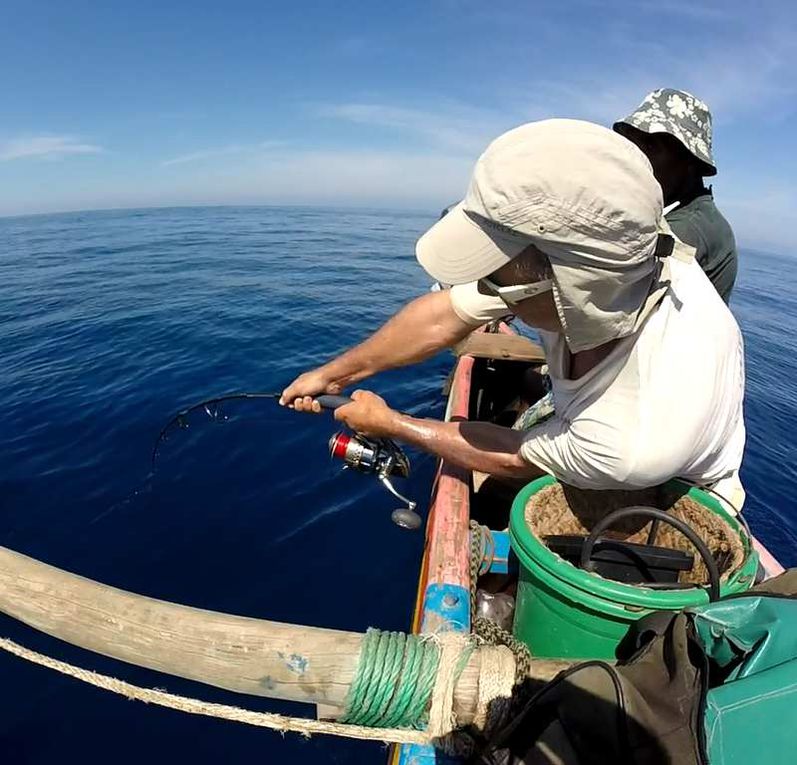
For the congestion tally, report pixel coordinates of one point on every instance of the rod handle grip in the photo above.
(333, 402)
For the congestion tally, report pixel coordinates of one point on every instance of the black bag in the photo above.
(647, 709)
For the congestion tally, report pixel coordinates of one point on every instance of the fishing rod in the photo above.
(380, 457)
(210, 406)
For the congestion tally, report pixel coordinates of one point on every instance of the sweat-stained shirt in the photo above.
(701, 225)
(665, 403)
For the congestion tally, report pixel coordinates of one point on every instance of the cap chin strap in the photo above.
(667, 246)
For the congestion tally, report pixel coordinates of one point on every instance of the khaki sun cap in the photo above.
(587, 198)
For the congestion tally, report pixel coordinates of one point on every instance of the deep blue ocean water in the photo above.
(111, 321)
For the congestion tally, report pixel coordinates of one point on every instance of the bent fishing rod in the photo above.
(381, 457)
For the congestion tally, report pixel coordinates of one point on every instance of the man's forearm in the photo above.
(422, 328)
(473, 445)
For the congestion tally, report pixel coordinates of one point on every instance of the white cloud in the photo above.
(452, 127)
(744, 70)
(759, 211)
(203, 154)
(702, 11)
(45, 147)
(197, 156)
(734, 88)
(362, 177)
(708, 11)
(357, 178)
(723, 76)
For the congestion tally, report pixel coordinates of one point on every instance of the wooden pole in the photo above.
(238, 653)
(253, 656)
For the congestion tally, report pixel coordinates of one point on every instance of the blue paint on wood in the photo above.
(295, 662)
(415, 754)
(500, 564)
(449, 601)
(452, 603)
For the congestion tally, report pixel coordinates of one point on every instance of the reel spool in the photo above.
(383, 458)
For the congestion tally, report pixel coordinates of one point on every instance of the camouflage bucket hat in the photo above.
(679, 114)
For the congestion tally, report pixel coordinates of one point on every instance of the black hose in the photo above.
(677, 523)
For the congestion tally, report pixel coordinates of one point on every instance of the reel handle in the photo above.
(329, 401)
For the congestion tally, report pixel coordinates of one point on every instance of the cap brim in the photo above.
(457, 249)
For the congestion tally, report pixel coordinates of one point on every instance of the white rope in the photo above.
(453, 645)
(276, 722)
(496, 683)
(496, 677)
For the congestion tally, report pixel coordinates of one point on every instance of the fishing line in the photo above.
(210, 407)
(380, 457)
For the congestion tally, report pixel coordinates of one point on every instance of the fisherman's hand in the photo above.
(368, 414)
(299, 395)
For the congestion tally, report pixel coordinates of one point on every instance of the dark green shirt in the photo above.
(701, 225)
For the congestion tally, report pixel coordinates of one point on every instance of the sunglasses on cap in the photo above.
(514, 293)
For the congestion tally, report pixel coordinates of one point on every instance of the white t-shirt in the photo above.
(665, 403)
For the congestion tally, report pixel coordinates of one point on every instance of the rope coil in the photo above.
(407, 681)
(482, 552)
(394, 680)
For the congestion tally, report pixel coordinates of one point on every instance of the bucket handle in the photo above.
(658, 515)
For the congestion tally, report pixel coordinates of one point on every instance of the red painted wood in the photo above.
(767, 559)
(447, 549)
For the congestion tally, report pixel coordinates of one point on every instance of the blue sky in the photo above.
(112, 104)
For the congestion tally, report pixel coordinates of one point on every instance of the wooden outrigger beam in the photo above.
(238, 653)
(242, 654)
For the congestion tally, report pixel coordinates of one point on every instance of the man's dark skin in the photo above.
(694, 218)
(678, 172)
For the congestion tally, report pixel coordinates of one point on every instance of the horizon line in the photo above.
(78, 211)
(254, 205)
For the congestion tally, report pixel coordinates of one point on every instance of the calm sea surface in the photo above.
(111, 321)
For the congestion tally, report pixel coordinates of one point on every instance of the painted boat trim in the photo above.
(443, 600)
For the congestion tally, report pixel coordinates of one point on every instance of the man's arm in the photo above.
(478, 446)
(419, 330)
(473, 445)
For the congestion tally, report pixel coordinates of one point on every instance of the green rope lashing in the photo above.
(376, 694)
(400, 703)
(390, 673)
(394, 681)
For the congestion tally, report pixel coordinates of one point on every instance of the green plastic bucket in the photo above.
(564, 611)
